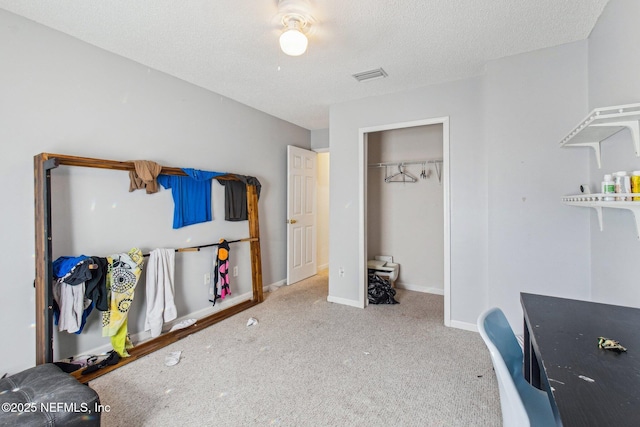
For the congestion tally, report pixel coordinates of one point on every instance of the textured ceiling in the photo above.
(231, 46)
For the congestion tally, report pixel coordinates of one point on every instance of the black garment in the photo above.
(235, 197)
(79, 274)
(96, 286)
(380, 290)
(113, 359)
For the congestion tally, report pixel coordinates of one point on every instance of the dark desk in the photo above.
(562, 354)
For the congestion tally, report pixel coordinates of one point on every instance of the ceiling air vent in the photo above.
(370, 75)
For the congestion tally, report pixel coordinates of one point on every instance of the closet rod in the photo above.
(408, 162)
(197, 248)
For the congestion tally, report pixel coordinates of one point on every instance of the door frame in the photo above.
(446, 194)
(322, 150)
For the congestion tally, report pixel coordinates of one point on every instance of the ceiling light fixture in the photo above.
(293, 42)
(296, 19)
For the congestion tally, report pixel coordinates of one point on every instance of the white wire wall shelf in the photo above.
(598, 201)
(602, 123)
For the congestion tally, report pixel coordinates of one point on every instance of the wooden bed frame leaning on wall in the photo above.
(43, 164)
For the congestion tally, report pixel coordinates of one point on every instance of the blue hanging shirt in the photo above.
(191, 195)
(64, 264)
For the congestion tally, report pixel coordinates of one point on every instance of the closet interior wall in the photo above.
(406, 219)
(44, 163)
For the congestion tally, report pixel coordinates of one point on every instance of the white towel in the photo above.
(160, 305)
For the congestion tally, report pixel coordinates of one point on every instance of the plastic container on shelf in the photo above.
(617, 182)
(635, 184)
(622, 183)
(626, 186)
(609, 187)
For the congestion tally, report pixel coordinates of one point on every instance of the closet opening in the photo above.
(405, 205)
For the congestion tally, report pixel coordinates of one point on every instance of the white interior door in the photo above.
(301, 214)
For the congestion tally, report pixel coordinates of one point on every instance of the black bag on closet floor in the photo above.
(380, 290)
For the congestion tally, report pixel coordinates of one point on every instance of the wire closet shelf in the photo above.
(403, 175)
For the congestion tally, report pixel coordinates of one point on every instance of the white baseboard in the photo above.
(323, 267)
(344, 301)
(464, 325)
(419, 288)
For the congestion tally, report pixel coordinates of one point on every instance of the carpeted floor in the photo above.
(313, 363)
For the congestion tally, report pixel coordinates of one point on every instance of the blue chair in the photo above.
(522, 404)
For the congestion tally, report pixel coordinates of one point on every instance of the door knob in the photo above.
(291, 221)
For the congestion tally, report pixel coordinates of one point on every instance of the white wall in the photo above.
(614, 70)
(319, 139)
(322, 251)
(60, 95)
(406, 220)
(535, 243)
(462, 102)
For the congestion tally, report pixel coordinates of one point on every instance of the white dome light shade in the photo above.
(293, 42)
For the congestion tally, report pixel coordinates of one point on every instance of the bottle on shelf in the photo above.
(617, 182)
(622, 182)
(608, 187)
(635, 184)
(626, 186)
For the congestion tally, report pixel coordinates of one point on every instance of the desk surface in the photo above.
(564, 335)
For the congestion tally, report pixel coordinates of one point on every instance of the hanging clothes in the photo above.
(64, 264)
(96, 286)
(144, 176)
(71, 307)
(160, 290)
(70, 310)
(221, 272)
(191, 196)
(235, 197)
(85, 314)
(223, 268)
(123, 272)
